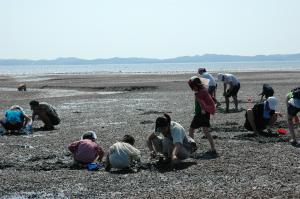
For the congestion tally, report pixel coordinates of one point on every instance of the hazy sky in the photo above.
(46, 29)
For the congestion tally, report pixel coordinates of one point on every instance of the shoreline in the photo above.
(108, 73)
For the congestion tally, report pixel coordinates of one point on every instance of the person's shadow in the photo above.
(167, 167)
(223, 110)
(206, 156)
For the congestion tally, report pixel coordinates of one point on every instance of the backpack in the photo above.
(13, 116)
(296, 93)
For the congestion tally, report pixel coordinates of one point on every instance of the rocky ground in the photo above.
(38, 165)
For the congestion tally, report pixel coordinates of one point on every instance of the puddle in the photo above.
(85, 103)
(34, 135)
(46, 93)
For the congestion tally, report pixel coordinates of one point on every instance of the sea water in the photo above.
(151, 68)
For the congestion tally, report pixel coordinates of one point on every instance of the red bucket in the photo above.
(282, 131)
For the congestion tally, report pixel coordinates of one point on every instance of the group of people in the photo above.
(120, 155)
(17, 121)
(169, 141)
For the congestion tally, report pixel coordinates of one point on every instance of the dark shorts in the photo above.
(211, 89)
(259, 127)
(11, 127)
(292, 110)
(201, 121)
(233, 91)
(54, 119)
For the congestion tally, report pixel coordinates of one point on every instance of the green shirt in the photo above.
(197, 108)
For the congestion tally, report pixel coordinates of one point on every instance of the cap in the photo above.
(89, 135)
(272, 103)
(201, 70)
(294, 102)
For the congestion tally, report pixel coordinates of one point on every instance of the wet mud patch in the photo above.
(38, 158)
(152, 112)
(103, 88)
(46, 166)
(228, 127)
(263, 137)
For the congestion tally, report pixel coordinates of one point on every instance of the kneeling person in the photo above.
(174, 143)
(46, 113)
(293, 108)
(123, 155)
(86, 150)
(15, 119)
(261, 115)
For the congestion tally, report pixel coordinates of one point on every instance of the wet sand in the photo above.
(38, 165)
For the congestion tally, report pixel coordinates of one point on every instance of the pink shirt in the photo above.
(86, 151)
(206, 102)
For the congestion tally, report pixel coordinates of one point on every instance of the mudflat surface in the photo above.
(38, 165)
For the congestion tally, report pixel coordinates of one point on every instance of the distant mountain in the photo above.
(135, 60)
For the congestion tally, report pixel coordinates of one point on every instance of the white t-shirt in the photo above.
(212, 81)
(231, 79)
(177, 133)
(122, 154)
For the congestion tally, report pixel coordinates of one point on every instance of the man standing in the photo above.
(231, 88)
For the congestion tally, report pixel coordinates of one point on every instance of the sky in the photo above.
(89, 29)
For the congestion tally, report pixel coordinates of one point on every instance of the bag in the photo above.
(296, 93)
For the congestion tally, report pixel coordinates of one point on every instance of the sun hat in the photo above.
(89, 135)
(272, 101)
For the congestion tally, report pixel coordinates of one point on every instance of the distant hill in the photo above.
(135, 60)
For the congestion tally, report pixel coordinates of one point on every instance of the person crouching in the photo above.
(174, 143)
(122, 155)
(262, 115)
(86, 150)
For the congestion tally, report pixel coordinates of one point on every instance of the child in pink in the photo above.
(86, 150)
(204, 107)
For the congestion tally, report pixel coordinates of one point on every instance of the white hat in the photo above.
(90, 134)
(294, 102)
(220, 76)
(272, 103)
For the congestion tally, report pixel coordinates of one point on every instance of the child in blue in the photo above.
(15, 119)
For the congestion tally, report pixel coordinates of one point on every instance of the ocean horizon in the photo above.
(151, 68)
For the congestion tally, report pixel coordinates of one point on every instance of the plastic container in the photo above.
(282, 131)
(94, 166)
